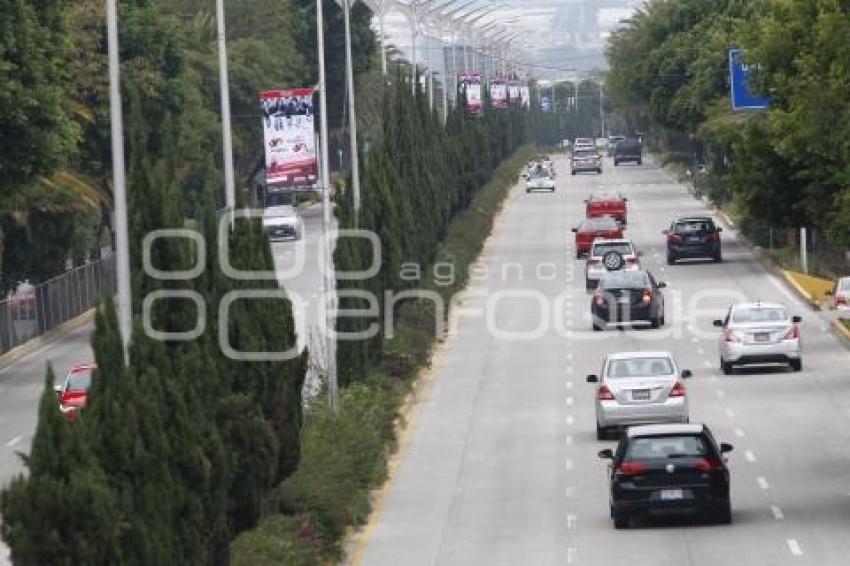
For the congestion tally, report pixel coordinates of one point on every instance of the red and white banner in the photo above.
(499, 93)
(289, 137)
(470, 83)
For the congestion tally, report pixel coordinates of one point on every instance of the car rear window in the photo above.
(665, 447)
(759, 315)
(601, 223)
(624, 280)
(79, 380)
(606, 198)
(639, 367)
(624, 248)
(693, 227)
(586, 153)
(628, 146)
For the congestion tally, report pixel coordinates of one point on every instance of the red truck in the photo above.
(592, 228)
(607, 205)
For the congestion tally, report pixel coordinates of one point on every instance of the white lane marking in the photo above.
(14, 441)
(569, 401)
(569, 356)
(569, 492)
(570, 369)
(569, 464)
(569, 440)
(572, 522)
(694, 339)
(569, 385)
(739, 433)
(701, 351)
(777, 512)
(570, 420)
(730, 413)
(720, 394)
(794, 547)
(751, 458)
(763, 482)
(707, 364)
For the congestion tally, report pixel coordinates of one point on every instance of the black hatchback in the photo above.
(693, 237)
(627, 297)
(668, 468)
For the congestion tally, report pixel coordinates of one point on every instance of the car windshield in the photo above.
(79, 380)
(596, 224)
(583, 153)
(538, 173)
(665, 447)
(639, 367)
(606, 198)
(624, 280)
(624, 248)
(750, 315)
(693, 227)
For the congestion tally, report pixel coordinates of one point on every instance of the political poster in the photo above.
(470, 83)
(289, 136)
(499, 93)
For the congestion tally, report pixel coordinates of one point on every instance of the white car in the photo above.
(540, 180)
(282, 223)
(637, 388)
(841, 297)
(595, 268)
(759, 333)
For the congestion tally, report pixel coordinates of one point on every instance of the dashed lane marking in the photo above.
(794, 547)
(751, 458)
(730, 413)
(739, 433)
(762, 481)
(777, 512)
(14, 441)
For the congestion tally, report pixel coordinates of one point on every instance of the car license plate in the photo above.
(640, 394)
(625, 299)
(762, 337)
(672, 494)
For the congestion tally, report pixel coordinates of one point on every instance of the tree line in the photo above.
(786, 166)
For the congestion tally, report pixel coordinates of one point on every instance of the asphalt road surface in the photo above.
(502, 465)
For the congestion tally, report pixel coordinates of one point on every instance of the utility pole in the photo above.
(119, 189)
(352, 114)
(229, 182)
(330, 345)
(602, 109)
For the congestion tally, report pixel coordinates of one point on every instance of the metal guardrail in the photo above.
(33, 310)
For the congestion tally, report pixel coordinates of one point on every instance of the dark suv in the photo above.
(628, 150)
(693, 237)
(668, 468)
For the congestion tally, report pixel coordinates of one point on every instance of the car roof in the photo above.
(82, 367)
(694, 219)
(664, 430)
(758, 305)
(635, 355)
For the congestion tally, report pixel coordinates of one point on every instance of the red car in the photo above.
(607, 205)
(604, 227)
(74, 392)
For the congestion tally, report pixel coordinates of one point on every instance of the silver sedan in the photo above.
(759, 333)
(637, 388)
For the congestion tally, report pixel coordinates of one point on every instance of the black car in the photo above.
(669, 468)
(693, 237)
(628, 297)
(628, 150)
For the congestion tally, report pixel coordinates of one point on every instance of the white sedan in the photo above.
(759, 333)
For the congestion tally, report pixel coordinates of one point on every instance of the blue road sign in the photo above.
(739, 75)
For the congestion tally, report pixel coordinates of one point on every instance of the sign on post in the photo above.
(470, 83)
(739, 77)
(289, 137)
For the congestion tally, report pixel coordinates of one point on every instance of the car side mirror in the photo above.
(57, 389)
(661, 285)
(593, 378)
(686, 373)
(796, 319)
(725, 447)
(625, 199)
(585, 200)
(575, 230)
(666, 232)
(606, 454)
(524, 176)
(718, 323)
(718, 229)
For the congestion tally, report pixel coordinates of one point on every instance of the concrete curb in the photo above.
(15, 354)
(841, 331)
(805, 295)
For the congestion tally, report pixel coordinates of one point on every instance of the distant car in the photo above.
(73, 392)
(583, 143)
(595, 267)
(601, 144)
(282, 223)
(693, 237)
(759, 333)
(841, 297)
(592, 229)
(668, 468)
(612, 143)
(585, 160)
(539, 179)
(613, 205)
(628, 297)
(628, 151)
(639, 388)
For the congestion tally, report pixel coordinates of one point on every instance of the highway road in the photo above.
(501, 466)
(21, 383)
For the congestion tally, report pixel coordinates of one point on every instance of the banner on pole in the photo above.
(513, 92)
(290, 139)
(525, 96)
(470, 83)
(499, 93)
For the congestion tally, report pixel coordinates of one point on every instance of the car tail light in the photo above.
(840, 299)
(599, 299)
(730, 336)
(711, 237)
(629, 468)
(604, 394)
(678, 390)
(674, 239)
(708, 464)
(793, 333)
(647, 296)
(631, 260)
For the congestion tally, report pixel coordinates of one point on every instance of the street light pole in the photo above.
(119, 189)
(229, 182)
(352, 115)
(330, 345)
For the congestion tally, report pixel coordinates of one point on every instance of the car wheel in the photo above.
(599, 170)
(640, 161)
(718, 257)
(597, 328)
(601, 433)
(573, 173)
(723, 514)
(726, 367)
(671, 259)
(797, 365)
(527, 190)
(621, 519)
(655, 323)
(588, 286)
(553, 189)
(616, 163)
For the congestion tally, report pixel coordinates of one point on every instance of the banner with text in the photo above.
(499, 93)
(470, 83)
(513, 92)
(290, 139)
